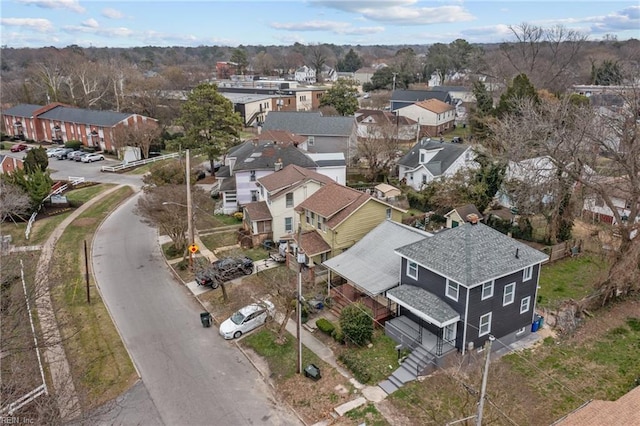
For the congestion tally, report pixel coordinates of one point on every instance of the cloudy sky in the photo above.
(37, 23)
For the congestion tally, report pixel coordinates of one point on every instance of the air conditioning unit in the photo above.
(470, 346)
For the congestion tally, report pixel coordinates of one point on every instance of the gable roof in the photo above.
(332, 199)
(280, 136)
(261, 155)
(383, 117)
(328, 159)
(448, 154)
(290, 177)
(309, 123)
(419, 95)
(371, 263)
(451, 89)
(312, 243)
(22, 110)
(257, 211)
(472, 254)
(435, 105)
(464, 211)
(85, 116)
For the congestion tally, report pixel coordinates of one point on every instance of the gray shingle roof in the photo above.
(426, 302)
(22, 110)
(309, 123)
(472, 254)
(262, 155)
(371, 263)
(450, 89)
(420, 95)
(440, 162)
(85, 116)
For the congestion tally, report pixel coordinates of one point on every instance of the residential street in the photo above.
(192, 375)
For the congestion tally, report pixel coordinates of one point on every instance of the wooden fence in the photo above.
(563, 249)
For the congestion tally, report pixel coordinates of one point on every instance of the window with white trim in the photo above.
(453, 289)
(288, 224)
(527, 274)
(484, 327)
(509, 294)
(289, 199)
(412, 270)
(487, 290)
(389, 213)
(252, 176)
(525, 303)
(311, 140)
(320, 223)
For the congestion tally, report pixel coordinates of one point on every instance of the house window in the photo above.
(487, 290)
(288, 224)
(254, 195)
(311, 140)
(485, 325)
(524, 304)
(388, 215)
(412, 270)
(527, 274)
(308, 217)
(289, 199)
(323, 257)
(449, 333)
(424, 179)
(509, 294)
(422, 157)
(320, 223)
(453, 289)
(252, 175)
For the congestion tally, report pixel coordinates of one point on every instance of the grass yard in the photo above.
(571, 277)
(100, 364)
(219, 239)
(370, 365)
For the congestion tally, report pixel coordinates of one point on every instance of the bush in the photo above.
(356, 322)
(325, 326)
(73, 144)
(338, 336)
(356, 365)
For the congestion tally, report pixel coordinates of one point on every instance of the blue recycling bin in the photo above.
(535, 326)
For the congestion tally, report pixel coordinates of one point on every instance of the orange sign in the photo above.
(193, 248)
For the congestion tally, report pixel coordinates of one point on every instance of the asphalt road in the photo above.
(192, 375)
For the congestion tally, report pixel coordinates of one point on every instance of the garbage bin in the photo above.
(205, 318)
(541, 322)
(312, 371)
(536, 324)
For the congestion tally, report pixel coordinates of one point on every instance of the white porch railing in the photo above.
(131, 164)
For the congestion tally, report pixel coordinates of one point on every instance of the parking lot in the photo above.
(63, 169)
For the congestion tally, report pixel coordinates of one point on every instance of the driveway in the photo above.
(191, 374)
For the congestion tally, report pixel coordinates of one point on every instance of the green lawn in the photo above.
(571, 277)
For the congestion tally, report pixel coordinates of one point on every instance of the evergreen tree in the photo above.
(608, 73)
(342, 96)
(520, 88)
(350, 63)
(36, 159)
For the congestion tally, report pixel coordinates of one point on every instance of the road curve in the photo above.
(192, 375)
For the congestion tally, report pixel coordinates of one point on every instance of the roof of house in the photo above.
(472, 254)
(419, 95)
(418, 299)
(261, 155)
(328, 159)
(22, 110)
(435, 105)
(313, 244)
(290, 177)
(383, 117)
(309, 123)
(371, 263)
(258, 211)
(623, 411)
(334, 202)
(448, 154)
(450, 89)
(464, 211)
(386, 188)
(283, 136)
(86, 116)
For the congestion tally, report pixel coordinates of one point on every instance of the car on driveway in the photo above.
(247, 319)
(222, 270)
(90, 158)
(51, 152)
(72, 155)
(62, 154)
(19, 147)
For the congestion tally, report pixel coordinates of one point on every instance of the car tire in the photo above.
(247, 271)
(237, 334)
(215, 285)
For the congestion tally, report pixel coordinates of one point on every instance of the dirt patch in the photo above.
(85, 221)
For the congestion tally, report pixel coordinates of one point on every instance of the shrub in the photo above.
(356, 365)
(238, 215)
(73, 144)
(325, 326)
(356, 322)
(338, 336)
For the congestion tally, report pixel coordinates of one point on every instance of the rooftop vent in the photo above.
(278, 164)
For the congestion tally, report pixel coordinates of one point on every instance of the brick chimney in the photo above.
(472, 218)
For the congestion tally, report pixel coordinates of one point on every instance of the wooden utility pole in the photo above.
(299, 257)
(484, 382)
(86, 273)
(189, 206)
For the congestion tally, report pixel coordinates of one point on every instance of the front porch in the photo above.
(410, 334)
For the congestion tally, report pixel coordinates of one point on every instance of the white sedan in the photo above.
(246, 319)
(90, 158)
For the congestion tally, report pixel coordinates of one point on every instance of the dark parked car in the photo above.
(224, 270)
(19, 147)
(62, 154)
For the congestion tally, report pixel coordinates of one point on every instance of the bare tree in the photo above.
(378, 144)
(13, 202)
(141, 135)
(318, 56)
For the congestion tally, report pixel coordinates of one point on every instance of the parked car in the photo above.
(51, 152)
(72, 155)
(226, 269)
(19, 147)
(247, 319)
(207, 278)
(79, 157)
(90, 158)
(62, 154)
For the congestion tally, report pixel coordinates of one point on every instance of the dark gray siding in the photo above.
(504, 319)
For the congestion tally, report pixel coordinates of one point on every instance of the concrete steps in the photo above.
(408, 371)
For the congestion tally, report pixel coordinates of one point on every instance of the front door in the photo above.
(449, 334)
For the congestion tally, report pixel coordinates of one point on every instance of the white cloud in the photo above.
(91, 23)
(112, 13)
(103, 32)
(56, 4)
(37, 24)
(331, 26)
(487, 34)
(625, 19)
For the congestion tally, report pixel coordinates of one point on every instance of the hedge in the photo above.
(325, 326)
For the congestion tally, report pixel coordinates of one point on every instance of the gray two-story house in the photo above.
(461, 286)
